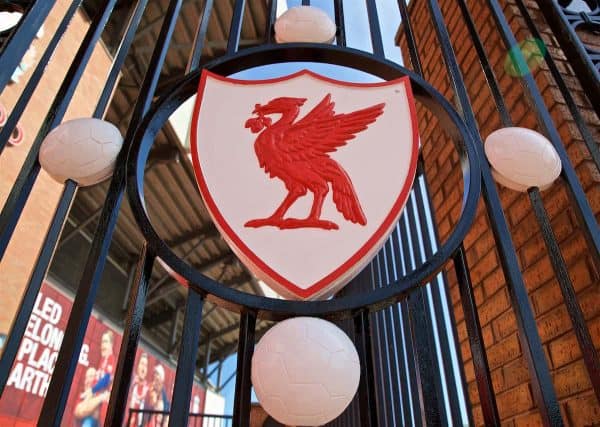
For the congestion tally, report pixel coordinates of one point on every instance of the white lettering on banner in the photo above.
(39, 349)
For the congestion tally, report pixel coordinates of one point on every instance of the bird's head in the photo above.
(281, 106)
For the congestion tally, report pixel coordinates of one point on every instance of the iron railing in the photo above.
(386, 309)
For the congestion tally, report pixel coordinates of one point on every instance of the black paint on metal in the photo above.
(451, 391)
(36, 75)
(480, 363)
(63, 206)
(24, 183)
(19, 325)
(366, 387)
(274, 308)
(563, 23)
(271, 17)
(21, 37)
(54, 404)
(194, 60)
(117, 404)
(375, 29)
(590, 355)
(241, 407)
(397, 316)
(235, 30)
(186, 363)
(584, 212)
(340, 35)
(590, 143)
(528, 334)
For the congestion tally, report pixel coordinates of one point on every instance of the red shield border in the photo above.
(366, 252)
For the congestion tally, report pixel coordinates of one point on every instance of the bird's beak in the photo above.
(257, 109)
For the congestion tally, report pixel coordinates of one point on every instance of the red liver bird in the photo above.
(298, 154)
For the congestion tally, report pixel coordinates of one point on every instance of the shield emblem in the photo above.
(304, 176)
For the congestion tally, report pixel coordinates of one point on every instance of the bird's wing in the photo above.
(322, 131)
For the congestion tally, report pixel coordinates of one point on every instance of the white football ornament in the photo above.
(522, 158)
(305, 371)
(304, 24)
(84, 150)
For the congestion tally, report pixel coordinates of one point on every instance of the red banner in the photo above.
(152, 382)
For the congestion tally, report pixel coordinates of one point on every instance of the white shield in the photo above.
(305, 176)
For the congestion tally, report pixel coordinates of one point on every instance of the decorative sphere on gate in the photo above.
(305, 371)
(84, 150)
(306, 24)
(522, 158)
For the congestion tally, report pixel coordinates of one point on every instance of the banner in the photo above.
(151, 385)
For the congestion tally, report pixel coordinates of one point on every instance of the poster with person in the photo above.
(27, 385)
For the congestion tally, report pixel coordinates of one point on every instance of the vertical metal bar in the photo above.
(19, 325)
(590, 143)
(590, 356)
(272, 15)
(387, 401)
(422, 196)
(400, 336)
(233, 43)
(27, 92)
(58, 391)
(413, 51)
(241, 406)
(24, 183)
(528, 334)
(423, 235)
(55, 228)
(426, 381)
(368, 281)
(430, 381)
(416, 398)
(366, 387)
(119, 60)
(194, 60)
(390, 335)
(117, 404)
(375, 29)
(416, 62)
(558, 263)
(482, 371)
(186, 363)
(21, 38)
(574, 50)
(340, 35)
(485, 65)
(578, 197)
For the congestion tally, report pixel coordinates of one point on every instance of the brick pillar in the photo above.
(508, 367)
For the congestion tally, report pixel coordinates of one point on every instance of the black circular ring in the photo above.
(276, 309)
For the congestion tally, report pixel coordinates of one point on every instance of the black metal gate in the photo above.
(408, 376)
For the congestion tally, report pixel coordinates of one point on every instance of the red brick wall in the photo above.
(508, 367)
(31, 230)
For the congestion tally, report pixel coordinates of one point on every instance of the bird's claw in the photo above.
(291, 223)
